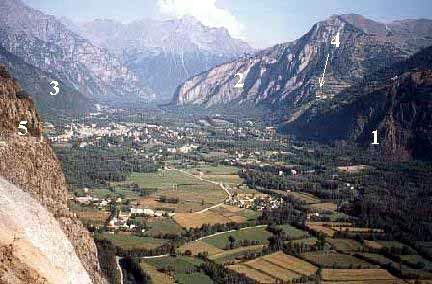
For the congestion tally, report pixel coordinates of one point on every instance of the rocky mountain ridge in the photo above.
(286, 77)
(29, 163)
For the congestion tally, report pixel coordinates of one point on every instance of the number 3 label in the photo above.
(55, 86)
(22, 126)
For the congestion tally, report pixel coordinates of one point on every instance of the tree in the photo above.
(231, 241)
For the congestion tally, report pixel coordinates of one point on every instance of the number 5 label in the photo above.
(22, 126)
(55, 86)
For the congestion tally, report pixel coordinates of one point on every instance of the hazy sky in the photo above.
(259, 22)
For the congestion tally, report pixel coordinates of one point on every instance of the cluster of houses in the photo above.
(97, 202)
(121, 219)
(257, 202)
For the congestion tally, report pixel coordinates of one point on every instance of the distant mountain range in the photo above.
(164, 53)
(105, 61)
(45, 43)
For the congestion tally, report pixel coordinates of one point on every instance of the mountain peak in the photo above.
(191, 20)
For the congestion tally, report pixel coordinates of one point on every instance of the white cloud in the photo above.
(205, 11)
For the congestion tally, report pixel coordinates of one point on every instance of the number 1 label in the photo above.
(375, 137)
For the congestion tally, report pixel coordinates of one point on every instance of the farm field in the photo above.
(275, 268)
(196, 247)
(236, 214)
(307, 241)
(93, 218)
(330, 228)
(426, 246)
(192, 278)
(220, 215)
(358, 276)
(327, 231)
(398, 245)
(224, 174)
(184, 268)
(345, 244)
(272, 269)
(373, 245)
(327, 259)
(128, 242)
(416, 261)
(294, 233)
(252, 273)
(380, 260)
(257, 234)
(231, 255)
(304, 197)
(155, 276)
(192, 193)
(293, 263)
(162, 225)
(197, 220)
(323, 207)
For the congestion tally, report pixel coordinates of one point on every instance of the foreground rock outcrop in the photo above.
(29, 163)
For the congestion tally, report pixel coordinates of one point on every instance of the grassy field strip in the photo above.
(357, 275)
(252, 273)
(235, 252)
(258, 235)
(155, 275)
(231, 231)
(196, 247)
(293, 263)
(272, 270)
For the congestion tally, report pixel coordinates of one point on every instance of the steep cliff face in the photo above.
(399, 109)
(286, 77)
(29, 163)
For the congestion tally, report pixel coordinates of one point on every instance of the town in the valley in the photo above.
(208, 196)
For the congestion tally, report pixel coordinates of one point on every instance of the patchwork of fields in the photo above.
(221, 214)
(276, 267)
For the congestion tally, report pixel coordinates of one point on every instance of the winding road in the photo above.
(118, 258)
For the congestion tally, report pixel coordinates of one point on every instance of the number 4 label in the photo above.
(336, 40)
